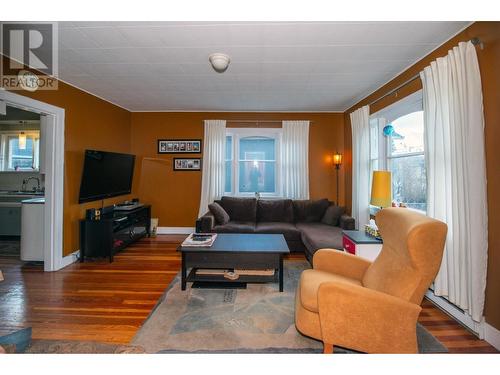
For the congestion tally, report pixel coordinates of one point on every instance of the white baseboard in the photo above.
(175, 230)
(492, 335)
(457, 314)
(69, 259)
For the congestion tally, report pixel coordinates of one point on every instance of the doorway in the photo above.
(51, 166)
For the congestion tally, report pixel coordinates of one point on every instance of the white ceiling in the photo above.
(275, 66)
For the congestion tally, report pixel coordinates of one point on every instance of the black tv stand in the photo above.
(114, 231)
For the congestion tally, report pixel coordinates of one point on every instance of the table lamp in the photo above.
(381, 189)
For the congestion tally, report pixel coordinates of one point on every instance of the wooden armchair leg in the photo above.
(327, 348)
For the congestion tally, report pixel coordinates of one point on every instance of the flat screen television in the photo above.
(106, 175)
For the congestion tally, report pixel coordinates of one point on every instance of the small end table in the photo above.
(360, 243)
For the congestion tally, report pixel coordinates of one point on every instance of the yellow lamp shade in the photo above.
(381, 189)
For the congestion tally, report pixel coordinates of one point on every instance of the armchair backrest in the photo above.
(411, 254)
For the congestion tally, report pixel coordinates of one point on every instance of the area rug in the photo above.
(258, 319)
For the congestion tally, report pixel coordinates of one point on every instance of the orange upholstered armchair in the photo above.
(350, 302)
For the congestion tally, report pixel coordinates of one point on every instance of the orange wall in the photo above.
(90, 123)
(175, 196)
(489, 61)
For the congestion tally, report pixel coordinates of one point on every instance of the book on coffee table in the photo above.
(199, 240)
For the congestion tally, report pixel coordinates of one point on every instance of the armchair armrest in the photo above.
(347, 222)
(206, 222)
(366, 320)
(341, 263)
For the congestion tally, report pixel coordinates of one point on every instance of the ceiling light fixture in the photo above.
(219, 61)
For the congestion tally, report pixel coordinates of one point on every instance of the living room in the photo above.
(280, 138)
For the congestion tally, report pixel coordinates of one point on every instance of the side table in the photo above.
(359, 243)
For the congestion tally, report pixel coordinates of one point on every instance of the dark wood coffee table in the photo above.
(236, 251)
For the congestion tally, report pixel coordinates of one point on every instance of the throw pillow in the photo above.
(310, 210)
(275, 210)
(332, 215)
(220, 215)
(240, 209)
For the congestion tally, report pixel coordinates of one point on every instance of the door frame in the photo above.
(54, 175)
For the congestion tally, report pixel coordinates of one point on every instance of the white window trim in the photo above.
(237, 134)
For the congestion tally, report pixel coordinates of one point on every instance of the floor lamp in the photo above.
(337, 162)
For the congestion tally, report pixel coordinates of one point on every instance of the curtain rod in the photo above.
(263, 121)
(474, 41)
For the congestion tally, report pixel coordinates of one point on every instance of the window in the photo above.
(252, 162)
(406, 161)
(16, 155)
(402, 153)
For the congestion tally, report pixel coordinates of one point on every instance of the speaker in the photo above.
(93, 214)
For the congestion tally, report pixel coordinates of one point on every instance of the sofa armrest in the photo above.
(340, 263)
(347, 222)
(206, 223)
(366, 320)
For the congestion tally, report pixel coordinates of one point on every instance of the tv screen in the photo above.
(105, 175)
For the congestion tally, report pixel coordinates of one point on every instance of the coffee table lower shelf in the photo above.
(220, 282)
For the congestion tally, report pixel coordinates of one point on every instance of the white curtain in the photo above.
(360, 124)
(295, 159)
(456, 174)
(214, 147)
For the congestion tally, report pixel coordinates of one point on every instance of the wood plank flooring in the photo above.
(105, 302)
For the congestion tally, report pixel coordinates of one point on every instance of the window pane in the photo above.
(408, 134)
(257, 148)
(229, 176)
(409, 181)
(229, 147)
(229, 165)
(257, 176)
(20, 158)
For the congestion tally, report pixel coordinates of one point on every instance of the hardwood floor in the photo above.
(99, 301)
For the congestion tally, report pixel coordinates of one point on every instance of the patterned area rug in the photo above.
(258, 319)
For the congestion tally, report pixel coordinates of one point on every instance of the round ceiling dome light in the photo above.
(219, 61)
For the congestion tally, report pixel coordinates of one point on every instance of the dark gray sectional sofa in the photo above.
(307, 225)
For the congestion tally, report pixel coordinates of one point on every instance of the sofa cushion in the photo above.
(310, 280)
(309, 210)
(274, 210)
(235, 227)
(332, 215)
(318, 236)
(240, 209)
(220, 215)
(289, 230)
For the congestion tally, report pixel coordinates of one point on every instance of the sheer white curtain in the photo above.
(295, 159)
(360, 124)
(214, 146)
(456, 174)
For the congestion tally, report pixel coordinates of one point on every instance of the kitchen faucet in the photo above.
(26, 180)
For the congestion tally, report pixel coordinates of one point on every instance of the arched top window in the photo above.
(252, 162)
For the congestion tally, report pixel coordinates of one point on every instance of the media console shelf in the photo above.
(113, 232)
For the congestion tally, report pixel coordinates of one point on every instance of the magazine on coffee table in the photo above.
(199, 240)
